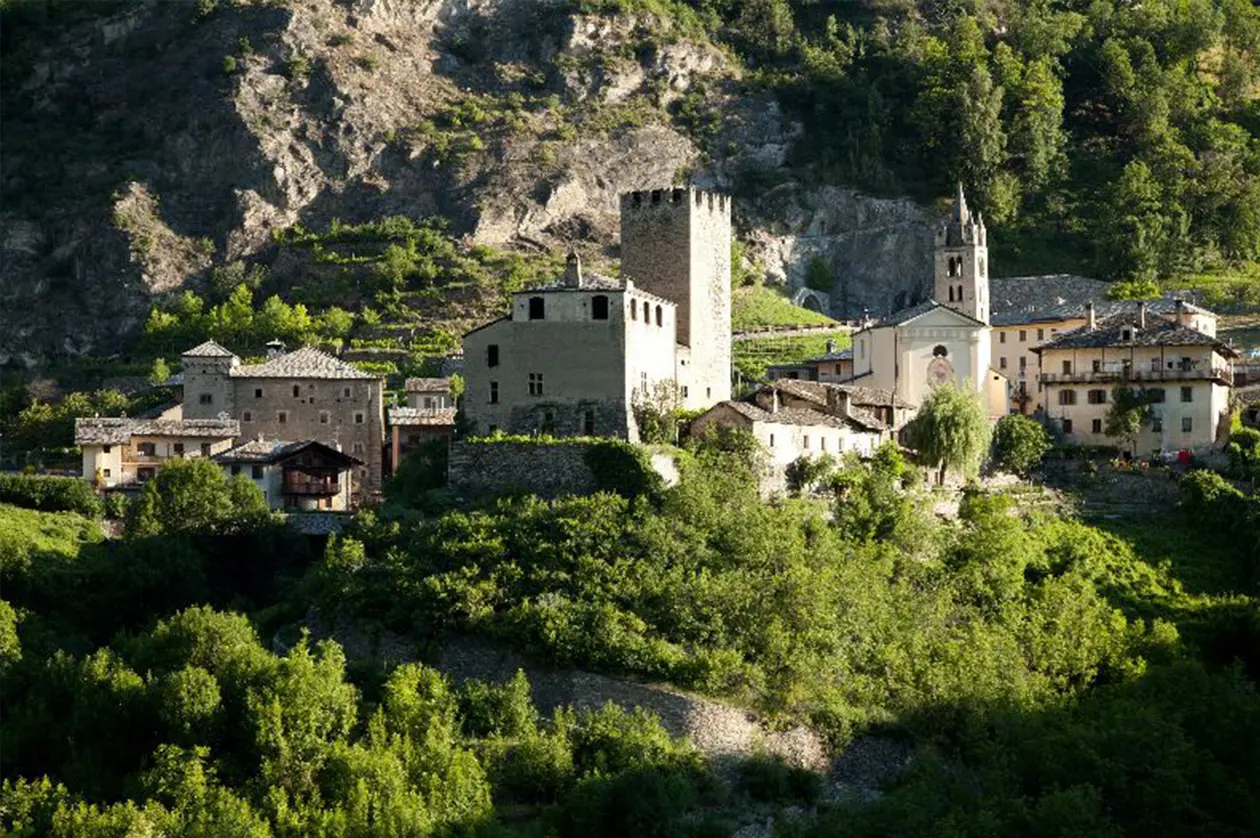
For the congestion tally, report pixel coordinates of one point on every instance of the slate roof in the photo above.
(120, 430)
(1027, 293)
(262, 451)
(588, 282)
(1102, 308)
(209, 349)
(428, 385)
(816, 391)
(802, 416)
(908, 314)
(1109, 332)
(838, 355)
(303, 363)
(421, 416)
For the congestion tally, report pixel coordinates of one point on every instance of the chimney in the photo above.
(774, 401)
(1182, 312)
(275, 348)
(831, 345)
(1091, 319)
(573, 270)
(1142, 314)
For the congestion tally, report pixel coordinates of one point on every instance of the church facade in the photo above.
(946, 339)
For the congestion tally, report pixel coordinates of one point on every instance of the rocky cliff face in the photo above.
(145, 148)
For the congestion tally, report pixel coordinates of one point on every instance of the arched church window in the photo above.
(660, 320)
(951, 293)
(940, 351)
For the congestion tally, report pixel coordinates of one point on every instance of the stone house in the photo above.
(305, 394)
(835, 365)
(122, 452)
(429, 414)
(577, 356)
(303, 476)
(1185, 375)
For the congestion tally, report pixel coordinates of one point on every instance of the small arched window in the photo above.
(660, 319)
(647, 312)
(492, 355)
(634, 310)
(599, 307)
(537, 308)
(951, 293)
(939, 351)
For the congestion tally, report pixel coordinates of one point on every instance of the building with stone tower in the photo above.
(676, 243)
(576, 356)
(946, 339)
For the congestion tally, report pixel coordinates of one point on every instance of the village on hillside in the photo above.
(591, 356)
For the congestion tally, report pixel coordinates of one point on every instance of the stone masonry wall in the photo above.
(549, 471)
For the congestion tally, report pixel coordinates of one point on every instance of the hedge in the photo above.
(50, 494)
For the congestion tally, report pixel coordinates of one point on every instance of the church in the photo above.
(945, 339)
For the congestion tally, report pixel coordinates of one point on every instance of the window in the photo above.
(178, 449)
(643, 385)
(297, 391)
(106, 448)
(660, 316)
(1155, 395)
(258, 392)
(1001, 337)
(1096, 426)
(822, 441)
(205, 398)
(1187, 424)
(247, 416)
(1067, 367)
(537, 308)
(806, 442)
(535, 384)
(647, 312)
(684, 391)
(1023, 335)
(145, 474)
(1126, 334)
(323, 417)
(771, 440)
(951, 293)
(428, 402)
(939, 351)
(1154, 365)
(1002, 363)
(599, 307)
(1023, 362)
(357, 448)
(147, 449)
(358, 418)
(105, 472)
(1187, 394)
(494, 392)
(1095, 365)
(1097, 396)
(588, 423)
(345, 392)
(1041, 334)
(256, 472)
(236, 469)
(492, 430)
(634, 310)
(205, 449)
(1067, 426)
(492, 355)
(549, 423)
(1067, 397)
(282, 416)
(1157, 424)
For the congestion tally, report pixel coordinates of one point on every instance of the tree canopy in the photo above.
(951, 431)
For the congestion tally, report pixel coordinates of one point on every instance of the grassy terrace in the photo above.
(753, 356)
(756, 306)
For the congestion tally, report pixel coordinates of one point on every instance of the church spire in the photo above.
(960, 214)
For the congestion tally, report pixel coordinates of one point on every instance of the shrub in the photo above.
(623, 468)
(1019, 443)
(50, 494)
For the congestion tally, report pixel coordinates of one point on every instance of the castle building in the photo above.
(302, 395)
(577, 356)
(946, 339)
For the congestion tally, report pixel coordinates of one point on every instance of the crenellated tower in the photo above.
(962, 262)
(676, 243)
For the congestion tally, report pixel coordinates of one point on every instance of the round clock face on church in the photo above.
(940, 370)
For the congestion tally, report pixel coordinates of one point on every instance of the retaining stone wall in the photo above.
(495, 468)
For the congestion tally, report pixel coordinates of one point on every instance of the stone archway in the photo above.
(819, 301)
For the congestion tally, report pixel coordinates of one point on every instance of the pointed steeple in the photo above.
(960, 214)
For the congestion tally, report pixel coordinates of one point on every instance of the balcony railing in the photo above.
(301, 483)
(1181, 372)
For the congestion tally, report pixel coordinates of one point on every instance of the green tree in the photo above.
(194, 495)
(1019, 443)
(951, 431)
(1136, 225)
(1127, 414)
(159, 372)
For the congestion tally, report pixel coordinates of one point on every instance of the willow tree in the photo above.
(951, 432)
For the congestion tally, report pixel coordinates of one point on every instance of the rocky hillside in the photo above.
(148, 147)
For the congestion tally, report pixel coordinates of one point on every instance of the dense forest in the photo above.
(1056, 678)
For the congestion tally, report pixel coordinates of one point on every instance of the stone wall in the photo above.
(494, 468)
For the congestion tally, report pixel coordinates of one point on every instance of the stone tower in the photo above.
(676, 243)
(208, 381)
(962, 262)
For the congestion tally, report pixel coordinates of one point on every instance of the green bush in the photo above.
(1019, 444)
(50, 494)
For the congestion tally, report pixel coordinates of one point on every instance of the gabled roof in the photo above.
(303, 363)
(838, 355)
(1075, 311)
(428, 385)
(802, 416)
(421, 416)
(209, 349)
(1158, 331)
(266, 451)
(816, 391)
(120, 430)
(587, 282)
(1030, 293)
(916, 311)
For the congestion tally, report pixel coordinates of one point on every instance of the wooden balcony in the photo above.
(1120, 375)
(317, 484)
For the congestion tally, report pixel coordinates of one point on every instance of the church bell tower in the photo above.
(962, 262)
